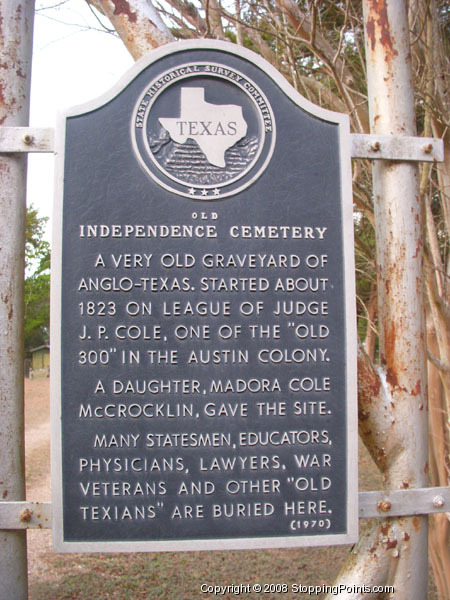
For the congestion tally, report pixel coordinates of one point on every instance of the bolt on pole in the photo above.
(400, 241)
(16, 36)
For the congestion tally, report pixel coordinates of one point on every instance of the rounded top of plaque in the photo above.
(203, 130)
(202, 119)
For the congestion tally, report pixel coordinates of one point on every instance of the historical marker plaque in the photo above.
(204, 392)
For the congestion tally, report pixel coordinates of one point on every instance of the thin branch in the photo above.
(208, 25)
(81, 27)
(97, 18)
(441, 366)
(58, 5)
(422, 26)
(342, 34)
(312, 36)
(190, 13)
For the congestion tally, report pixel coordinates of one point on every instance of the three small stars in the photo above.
(203, 192)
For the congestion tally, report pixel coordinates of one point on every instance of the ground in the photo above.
(164, 576)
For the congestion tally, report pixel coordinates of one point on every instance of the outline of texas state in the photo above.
(214, 127)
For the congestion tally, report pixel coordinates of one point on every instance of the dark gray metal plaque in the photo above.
(204, 394)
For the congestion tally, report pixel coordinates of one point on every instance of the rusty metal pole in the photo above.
(399, 227)
(16, 36)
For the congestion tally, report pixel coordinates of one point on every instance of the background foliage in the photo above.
(37, 281)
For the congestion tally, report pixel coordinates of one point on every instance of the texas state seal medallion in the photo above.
(203, 130)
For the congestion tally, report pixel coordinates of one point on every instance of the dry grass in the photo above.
(165, 576)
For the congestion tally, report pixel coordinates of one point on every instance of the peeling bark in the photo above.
(430, 55)
(138, 24)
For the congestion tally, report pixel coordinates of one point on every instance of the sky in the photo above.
(73, 63)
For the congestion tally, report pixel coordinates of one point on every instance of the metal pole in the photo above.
(400, 237)
(16, 35)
